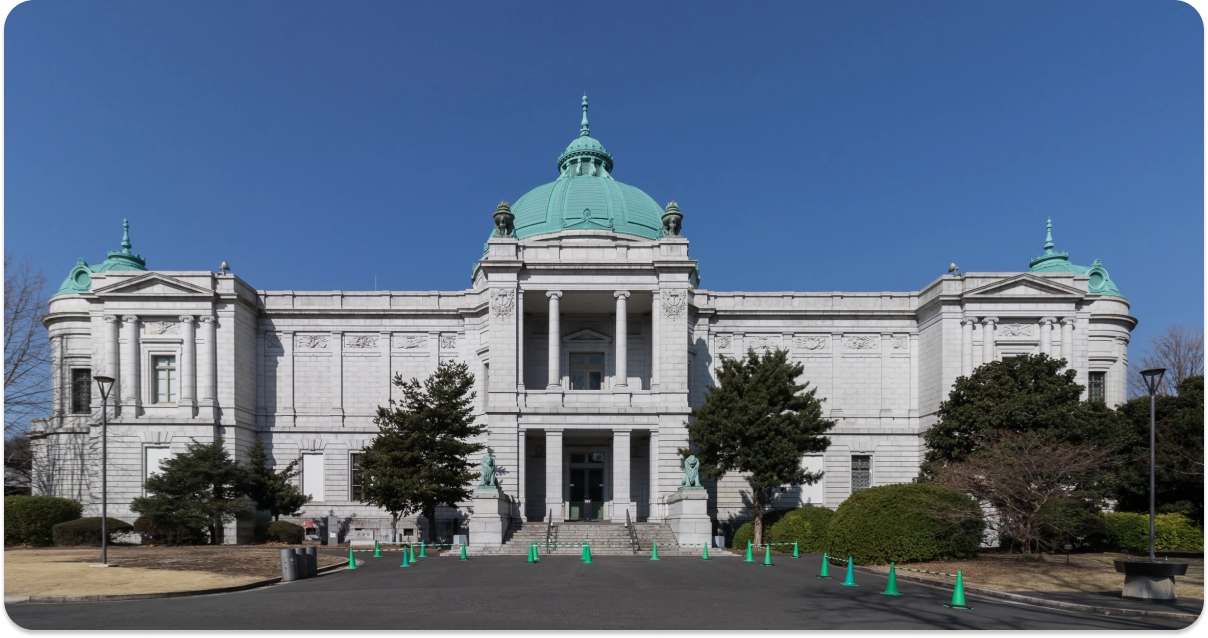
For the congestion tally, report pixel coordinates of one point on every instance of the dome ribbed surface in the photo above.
(587, 202)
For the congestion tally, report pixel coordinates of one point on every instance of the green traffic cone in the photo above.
(749, 558)
(891, 588)
(654, 552)
(423, 552)
(463, 552)
(352, 561)
(586, 554)
(795, 553)
(413, 554)
(532, 551)
(851, 575)
(958, 593)
(767, 555)
(377, 550)
(406, 563)
(825, 573)
(704, 555)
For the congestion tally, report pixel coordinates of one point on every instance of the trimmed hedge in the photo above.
(279, 532)
(157, 535)
(809, 527)
(746, 532)
(30, 520)
(87, 531)
(906, 522)
(1129, 531)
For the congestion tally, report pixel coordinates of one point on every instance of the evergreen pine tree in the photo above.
(421, 457)
(758, 420)
(273, 490)
(200, 489)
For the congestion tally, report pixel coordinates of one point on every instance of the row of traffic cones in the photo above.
(891, 587)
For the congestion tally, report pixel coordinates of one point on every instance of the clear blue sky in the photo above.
(812, 146)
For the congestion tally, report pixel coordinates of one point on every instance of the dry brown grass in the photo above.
(66, 572)
(1085, 573)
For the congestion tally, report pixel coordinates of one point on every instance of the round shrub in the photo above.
(809, 527)
(746, 531)
(283, 532)
(87, 531)
(1129, 531)
(906, 522)
(167, 535)
(29, 520)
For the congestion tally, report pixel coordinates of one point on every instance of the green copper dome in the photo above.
(586, 197)
(80, 277)
(1053, 261)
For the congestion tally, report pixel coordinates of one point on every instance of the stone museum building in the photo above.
(591, 336)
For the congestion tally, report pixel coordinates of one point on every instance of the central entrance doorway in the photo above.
(586, 478)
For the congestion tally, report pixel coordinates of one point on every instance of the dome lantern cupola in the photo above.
(585, 155)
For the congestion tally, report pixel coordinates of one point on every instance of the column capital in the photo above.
(1067, 321)
(968, 321)
(621, 294)
(130, 318)
(553, 294)
(1048, 320)
(989, 321)
(187, 319)
(206, 319)
(111, 319)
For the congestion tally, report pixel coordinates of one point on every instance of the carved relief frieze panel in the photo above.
(861, 342)
(411, 342)
(360, 342)
(1017, 329)
(151, 328)
(273, 341)
(311, 342)
(811, 343)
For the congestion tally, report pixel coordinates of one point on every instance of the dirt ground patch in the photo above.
(1085, 573)
(66, 572)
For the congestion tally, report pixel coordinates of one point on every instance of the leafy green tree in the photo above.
(758, 420)
(421, 457)
(200, 489)
(1179, 452)
(1017, 394)
(273, 490)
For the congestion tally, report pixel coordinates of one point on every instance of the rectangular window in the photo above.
(312, 476)
(354, 475)
(861, 472)
(81, 391)
(165, 379)
(1097, 388)
(152, 457)
(587, 371)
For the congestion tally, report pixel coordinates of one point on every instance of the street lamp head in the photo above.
(105, 383)
(1153, 379)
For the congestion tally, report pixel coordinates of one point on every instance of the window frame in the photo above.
(173, 378)
(75, 391)
(147, 469)
(868, 472)
(587, 367)
(1096, 384)
(355, 479)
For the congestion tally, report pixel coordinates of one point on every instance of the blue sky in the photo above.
(812, 146)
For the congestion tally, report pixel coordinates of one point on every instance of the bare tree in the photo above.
(18, 465)
(1039, 489)
(26, 349)
(1180, 349)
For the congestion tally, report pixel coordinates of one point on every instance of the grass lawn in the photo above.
(66, 572)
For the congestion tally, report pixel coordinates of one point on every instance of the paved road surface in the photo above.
(562, 593)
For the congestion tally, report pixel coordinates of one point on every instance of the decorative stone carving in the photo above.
(448, 342)
(812, 342)
(724, 342)
(860, 342)
(901, 343)
(672, 219)
(311, 341)
(161, 328)
(412, 342)
(488, 471)
(691, 474)
(503, 302)
(361, 342)
(271, 340)
(675, 302)
(504, 220)
(1016, 329)
(763, 343)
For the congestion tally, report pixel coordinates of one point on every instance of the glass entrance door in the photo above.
(586, 493)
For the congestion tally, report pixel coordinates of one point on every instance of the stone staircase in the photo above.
(606, 539)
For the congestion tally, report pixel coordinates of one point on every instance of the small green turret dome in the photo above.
(586, 197)
(80, 277)
(1059, 261)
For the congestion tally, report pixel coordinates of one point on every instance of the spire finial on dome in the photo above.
(584, 130)
(126, 235)
(1048, 238)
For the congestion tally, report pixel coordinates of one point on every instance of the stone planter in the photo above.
(1144, 580)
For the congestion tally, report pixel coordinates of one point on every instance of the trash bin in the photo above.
(289, 565)
(311, 554)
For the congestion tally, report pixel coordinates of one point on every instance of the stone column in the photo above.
(621, 500)
(111, 339)
(337, 372)
(285, 377)
(188, 368)
(654, 513)
(520, 342)
(553, 474)
(521, 470)
(1067, 341)
(967, 346)
(988, 339)
(555, 342)
(621, 342)
(130, 368)
(1046, 335)
(207, 405)
(655, 313)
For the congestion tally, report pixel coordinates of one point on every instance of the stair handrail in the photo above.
(549, 527)
(633, 534)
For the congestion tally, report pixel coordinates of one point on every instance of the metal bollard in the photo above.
(289, 565)
(312, 560)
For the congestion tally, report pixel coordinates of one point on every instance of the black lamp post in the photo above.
(1153, 380)
(105, 383)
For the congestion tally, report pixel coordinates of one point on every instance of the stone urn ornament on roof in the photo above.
(672, 219)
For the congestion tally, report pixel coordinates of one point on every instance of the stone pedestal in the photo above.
(1144, 580)
(688, 516)
(490, 518)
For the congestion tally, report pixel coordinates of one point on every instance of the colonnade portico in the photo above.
(619, 463)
